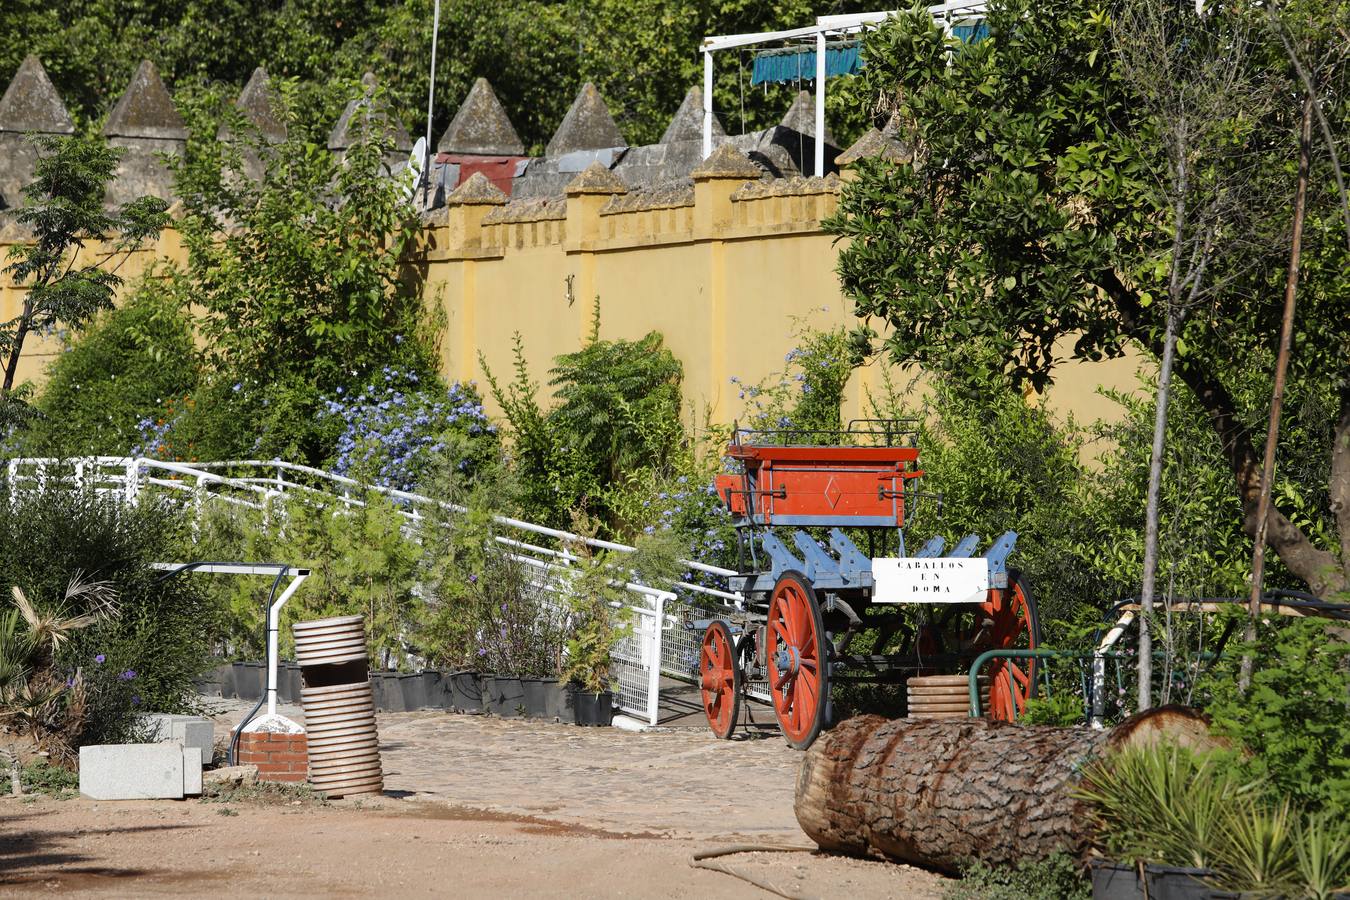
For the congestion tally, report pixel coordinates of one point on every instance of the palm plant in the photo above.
(34, 700)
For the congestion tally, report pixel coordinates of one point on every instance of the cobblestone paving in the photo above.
(676, 782)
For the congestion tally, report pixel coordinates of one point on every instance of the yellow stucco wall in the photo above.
(39, 349)
(728, 276)
(729, 279)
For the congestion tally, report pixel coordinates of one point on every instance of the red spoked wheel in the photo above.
(1012, 625)
(720, 680)
(798, 658)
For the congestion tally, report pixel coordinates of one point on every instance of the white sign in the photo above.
(935, 580)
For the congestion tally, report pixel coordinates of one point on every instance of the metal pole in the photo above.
(273, 625)
(820, 103)
(1277, 397)
(707, 103)
(431, 95)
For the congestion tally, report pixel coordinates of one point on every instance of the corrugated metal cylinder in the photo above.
(344, 745)
(942, 696)
(330, 641)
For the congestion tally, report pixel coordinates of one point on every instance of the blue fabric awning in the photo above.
(800, 64)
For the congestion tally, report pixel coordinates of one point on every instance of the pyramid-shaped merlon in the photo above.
(344, 133)
(146, 110)
(31, 103)
(801, 117)
(688, 122)
(255, 102)
(587, 125)
(480, 127)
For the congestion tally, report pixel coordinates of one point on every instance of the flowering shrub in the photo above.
(398, 427)
(806, 396)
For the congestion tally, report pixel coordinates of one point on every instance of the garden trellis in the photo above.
(815, 52)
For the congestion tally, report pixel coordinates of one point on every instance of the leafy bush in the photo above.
(120, 369)
(808, 393)
(616, 420)
(482, 608)
(360, 559)
(1293, 720)
(162, 631)
(1056, 878)
(298, 273)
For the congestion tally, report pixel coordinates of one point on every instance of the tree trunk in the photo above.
(941, 792)
(1155, 467)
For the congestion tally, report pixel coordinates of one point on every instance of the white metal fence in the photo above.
(658, 643)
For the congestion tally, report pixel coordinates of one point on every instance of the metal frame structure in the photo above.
(826, 26)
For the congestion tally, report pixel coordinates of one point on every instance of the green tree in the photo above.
(122, 368)
(64, 210)
(1029, 228)
(299, 277)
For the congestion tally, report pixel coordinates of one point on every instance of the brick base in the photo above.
(279, 757)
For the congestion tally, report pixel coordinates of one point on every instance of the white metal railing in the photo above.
(658, 642)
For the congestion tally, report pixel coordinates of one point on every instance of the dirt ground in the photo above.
(474, 807)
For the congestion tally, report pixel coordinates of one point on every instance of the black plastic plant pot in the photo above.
(466, 691)
(413, 687)
(560, 702)
(1121, 881)
(249, 680)
(214, 682)
(1178, 883)
(388, 692)
(289, 681)
(503, 695)
(540, 696)
(436, 689)
(592, 709)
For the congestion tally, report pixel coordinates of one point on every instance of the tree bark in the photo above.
(940, 792)
(1155, 467)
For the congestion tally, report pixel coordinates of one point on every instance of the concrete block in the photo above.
(189, 731)
(192, 772)
(132, 771)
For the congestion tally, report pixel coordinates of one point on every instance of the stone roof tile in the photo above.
(344, 134)
(476, 191)
(687, 125)
(801, 117)
(596, 179)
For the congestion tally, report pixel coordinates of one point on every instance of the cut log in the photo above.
(942, 792)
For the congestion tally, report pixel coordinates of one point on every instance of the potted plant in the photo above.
(412, 687)
(503, 695)
(598, 622)
(466, 694)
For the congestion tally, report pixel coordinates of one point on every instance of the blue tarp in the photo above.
(800, 65)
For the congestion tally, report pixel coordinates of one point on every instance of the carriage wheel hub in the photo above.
(788, 660)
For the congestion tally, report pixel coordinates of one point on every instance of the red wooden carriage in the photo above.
(820, 611)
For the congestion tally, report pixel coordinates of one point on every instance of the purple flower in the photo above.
(482, 652)
(135, 699)
(128, 675)
(473, 579)
(100, 658)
